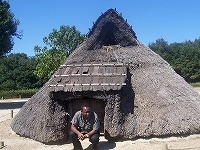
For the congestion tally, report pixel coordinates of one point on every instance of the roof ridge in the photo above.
(108, 12)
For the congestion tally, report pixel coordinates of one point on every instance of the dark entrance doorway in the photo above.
(96, 105)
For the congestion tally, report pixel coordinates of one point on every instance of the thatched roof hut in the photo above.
(135, 92)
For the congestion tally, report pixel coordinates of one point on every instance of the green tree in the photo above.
(61, 43)
(190, 56)
(8, 28)
(16, 72)
(184, 57)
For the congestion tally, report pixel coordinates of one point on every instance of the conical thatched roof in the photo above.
(143, 94)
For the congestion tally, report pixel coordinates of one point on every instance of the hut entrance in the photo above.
(96, 105)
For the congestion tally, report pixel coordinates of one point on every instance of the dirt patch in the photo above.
(197, 89)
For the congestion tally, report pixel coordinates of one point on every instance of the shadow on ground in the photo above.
(11, 105)
(104, 145)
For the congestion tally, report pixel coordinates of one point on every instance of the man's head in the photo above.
(85, 110)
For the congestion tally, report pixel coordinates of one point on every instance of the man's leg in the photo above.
(75, 141)
(94, 139)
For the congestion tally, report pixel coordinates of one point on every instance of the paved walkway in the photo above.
(10, 104)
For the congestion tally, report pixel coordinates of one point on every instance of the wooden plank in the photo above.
(74, 80)
(124, 70)
(109, 69)
(101, 70)
(85, 70)
(119, 79)
(119, 70)
(95, 70)
(70, 70)
(76, 70)
(54, 82)
(90, 70)
(95, 64)
(95, 79)
(85, 80)
(66, 70)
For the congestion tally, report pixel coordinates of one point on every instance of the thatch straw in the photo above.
(144, 96)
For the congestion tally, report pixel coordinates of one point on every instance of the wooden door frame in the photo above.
(72, 110)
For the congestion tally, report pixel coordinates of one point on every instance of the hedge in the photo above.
(18, 93)
(196, 84)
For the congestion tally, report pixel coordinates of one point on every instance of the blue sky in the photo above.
(172, 20)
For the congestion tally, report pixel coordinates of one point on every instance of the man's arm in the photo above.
(96, 126)
(90, 133)
(80, 135)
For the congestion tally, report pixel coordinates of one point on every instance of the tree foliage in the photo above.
(184, 57)
(67, 38)
(48, 60)
(16, 72)
(8, 28)
(61, 43)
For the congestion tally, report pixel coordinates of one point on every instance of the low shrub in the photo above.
(18, 93)
(196, 84)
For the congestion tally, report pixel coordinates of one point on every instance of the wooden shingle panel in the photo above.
(76, 70)
(101, 70)
(109, 69)
(95, 70)
(85, 70)
(92, 77)
(65, 70)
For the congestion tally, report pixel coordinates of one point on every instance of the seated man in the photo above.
(85, 124)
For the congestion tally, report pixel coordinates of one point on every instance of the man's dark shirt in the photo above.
(86, 125)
